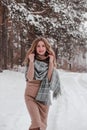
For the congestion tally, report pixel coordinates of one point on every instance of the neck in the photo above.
(42, 57)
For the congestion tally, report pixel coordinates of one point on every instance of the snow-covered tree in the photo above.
(59, 20)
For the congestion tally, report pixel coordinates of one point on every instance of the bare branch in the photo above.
(39, 12)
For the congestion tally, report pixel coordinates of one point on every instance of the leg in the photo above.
(35, 129)
(33, 112)
(37, 111)
(43, 110)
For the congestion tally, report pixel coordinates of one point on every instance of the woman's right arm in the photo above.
(30, 72)
(51, 66)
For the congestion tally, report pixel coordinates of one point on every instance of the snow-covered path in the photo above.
(69, 112)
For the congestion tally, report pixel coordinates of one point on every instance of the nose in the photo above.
(41, 48)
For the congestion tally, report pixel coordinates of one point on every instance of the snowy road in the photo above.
(69, 112)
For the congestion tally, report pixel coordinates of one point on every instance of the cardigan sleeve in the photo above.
(30, 72)
(50, 70)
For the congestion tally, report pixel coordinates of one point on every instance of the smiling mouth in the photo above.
(41, 51)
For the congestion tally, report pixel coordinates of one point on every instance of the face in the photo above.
(41, 48)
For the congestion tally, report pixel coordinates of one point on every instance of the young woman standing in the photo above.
(40, 75)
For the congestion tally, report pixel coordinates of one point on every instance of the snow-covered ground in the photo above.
(68, 112)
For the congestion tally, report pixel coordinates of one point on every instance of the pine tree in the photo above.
(59, 21)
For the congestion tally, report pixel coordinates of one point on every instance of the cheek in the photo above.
(37, 49)
(45, 49)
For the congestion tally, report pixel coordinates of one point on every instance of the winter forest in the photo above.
(62, 22)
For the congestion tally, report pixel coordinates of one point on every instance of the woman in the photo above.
(40, 60)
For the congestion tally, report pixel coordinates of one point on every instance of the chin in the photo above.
(42, 54)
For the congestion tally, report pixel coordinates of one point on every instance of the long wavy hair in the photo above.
(32, 49)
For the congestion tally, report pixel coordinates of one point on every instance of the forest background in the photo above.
(62, 22)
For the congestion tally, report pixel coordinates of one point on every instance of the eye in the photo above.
(43, 45)
(38, 45)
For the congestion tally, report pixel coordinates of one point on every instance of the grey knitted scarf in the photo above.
(41, 70)
(40, 67)
(43, 94)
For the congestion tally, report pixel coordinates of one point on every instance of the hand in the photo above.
(51, 58)
(31, 57)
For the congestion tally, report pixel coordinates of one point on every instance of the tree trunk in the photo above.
(22, 52)
(0, 48)
(1, 38)
(4, 38)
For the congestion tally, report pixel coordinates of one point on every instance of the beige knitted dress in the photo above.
(37, 110)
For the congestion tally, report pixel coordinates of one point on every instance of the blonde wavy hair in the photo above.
(32, 49)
